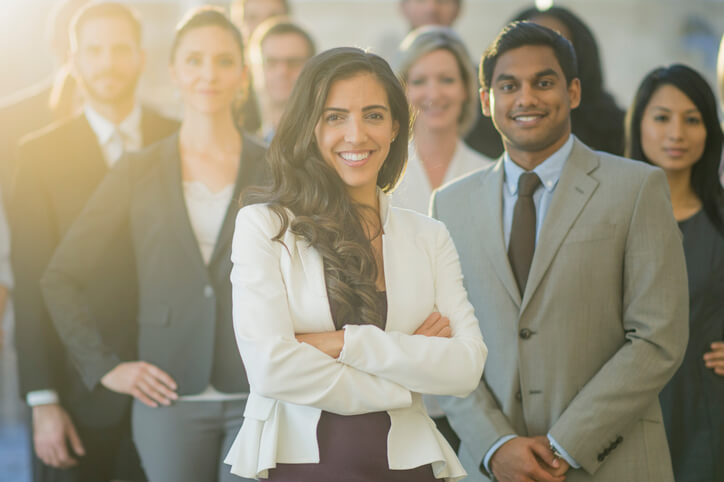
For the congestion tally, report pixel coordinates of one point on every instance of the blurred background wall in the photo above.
(634, 35)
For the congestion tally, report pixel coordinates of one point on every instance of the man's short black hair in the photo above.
(521, 34)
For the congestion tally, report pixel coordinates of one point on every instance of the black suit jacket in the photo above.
(184, 309)
(20, 114)
(58, 170)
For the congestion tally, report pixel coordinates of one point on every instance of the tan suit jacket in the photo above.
(600, 329)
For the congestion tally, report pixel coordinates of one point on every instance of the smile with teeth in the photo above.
(354, 157)
(527, 118)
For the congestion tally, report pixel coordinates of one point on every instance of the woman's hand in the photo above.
(435, 325)
(328, 342)
(144, 381)
(715, 358)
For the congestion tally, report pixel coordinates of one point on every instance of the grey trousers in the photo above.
(188, 441)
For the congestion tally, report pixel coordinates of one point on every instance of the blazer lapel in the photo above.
(575, 188)
(252, 157)
(488, 230)
(173, 187)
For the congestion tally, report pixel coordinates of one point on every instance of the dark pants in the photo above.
(110, 455)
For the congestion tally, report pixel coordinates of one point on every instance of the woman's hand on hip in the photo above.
(328, 342)
(143, 381)
(435, 325)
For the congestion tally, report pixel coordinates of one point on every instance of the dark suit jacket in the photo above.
(184, 310)
(59, 168)
(20, 114)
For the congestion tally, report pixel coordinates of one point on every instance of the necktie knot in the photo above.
(528, 182)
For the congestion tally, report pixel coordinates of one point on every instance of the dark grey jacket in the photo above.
(184, 306)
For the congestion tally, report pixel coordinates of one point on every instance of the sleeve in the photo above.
(477, 418)
(277, 365)
(655, 320)
(431, 365)
(71, 269)
(34, 237)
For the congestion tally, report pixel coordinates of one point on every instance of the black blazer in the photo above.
(184, 309)
(59, 168)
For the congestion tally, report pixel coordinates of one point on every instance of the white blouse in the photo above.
(414, 190)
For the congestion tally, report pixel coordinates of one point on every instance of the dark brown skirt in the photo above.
(352, 448)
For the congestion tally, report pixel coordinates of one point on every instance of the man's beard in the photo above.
(127, 91)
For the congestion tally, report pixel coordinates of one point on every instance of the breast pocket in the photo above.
(591, 232)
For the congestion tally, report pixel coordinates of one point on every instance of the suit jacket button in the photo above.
(208, 291)
(519, 396)
(525, 333)
(601, 457)
(619, 440)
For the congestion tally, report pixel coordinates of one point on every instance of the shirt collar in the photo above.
(549, 171)
(103, 128)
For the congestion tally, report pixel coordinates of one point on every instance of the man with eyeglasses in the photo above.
(278, 51)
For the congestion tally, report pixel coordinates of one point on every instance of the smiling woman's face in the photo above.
(355, 132)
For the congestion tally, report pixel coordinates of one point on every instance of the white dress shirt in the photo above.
(414, 191)
(116, 139)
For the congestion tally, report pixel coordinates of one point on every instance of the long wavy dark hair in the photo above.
(704, 174)
(303, 184)
(597, 121)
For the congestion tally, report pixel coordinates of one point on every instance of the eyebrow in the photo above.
(364, 109)
(537, 75)
(688, 111)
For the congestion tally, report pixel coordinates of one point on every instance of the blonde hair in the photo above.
(430, 38)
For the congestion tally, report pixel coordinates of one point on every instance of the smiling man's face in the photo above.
(530, 101)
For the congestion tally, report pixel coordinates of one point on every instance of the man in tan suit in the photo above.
(575, 267)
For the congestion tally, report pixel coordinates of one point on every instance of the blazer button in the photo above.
(601, 457)
(208, 291)
(619, 439)
(519, 396)
(525, 333)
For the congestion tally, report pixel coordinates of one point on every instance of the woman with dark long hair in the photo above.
(673, 124)
(346, 309)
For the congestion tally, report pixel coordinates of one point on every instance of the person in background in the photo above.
(247, 15)
(176, 201)
(419, 13)
(6, 274)
(720, 85)
(80, 433)
(673, 124)
(40, 104)
(598, 121)
(336, 294)
(278, 50)
(442, 91)
(575, 267)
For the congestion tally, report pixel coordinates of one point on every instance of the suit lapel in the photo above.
(252, 157)
(573, 191)
(176, 205)
(489, 229)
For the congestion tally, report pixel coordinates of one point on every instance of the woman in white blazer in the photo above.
(345, 309)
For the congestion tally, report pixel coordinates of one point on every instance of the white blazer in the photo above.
(279, 290)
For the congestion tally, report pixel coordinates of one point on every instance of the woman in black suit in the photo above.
(673, 124)
(178, 199)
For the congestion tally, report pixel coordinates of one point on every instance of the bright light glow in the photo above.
(543, 4)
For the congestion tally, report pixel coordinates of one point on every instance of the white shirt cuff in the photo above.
(494, 448)
(41, 397)
(563, 453)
